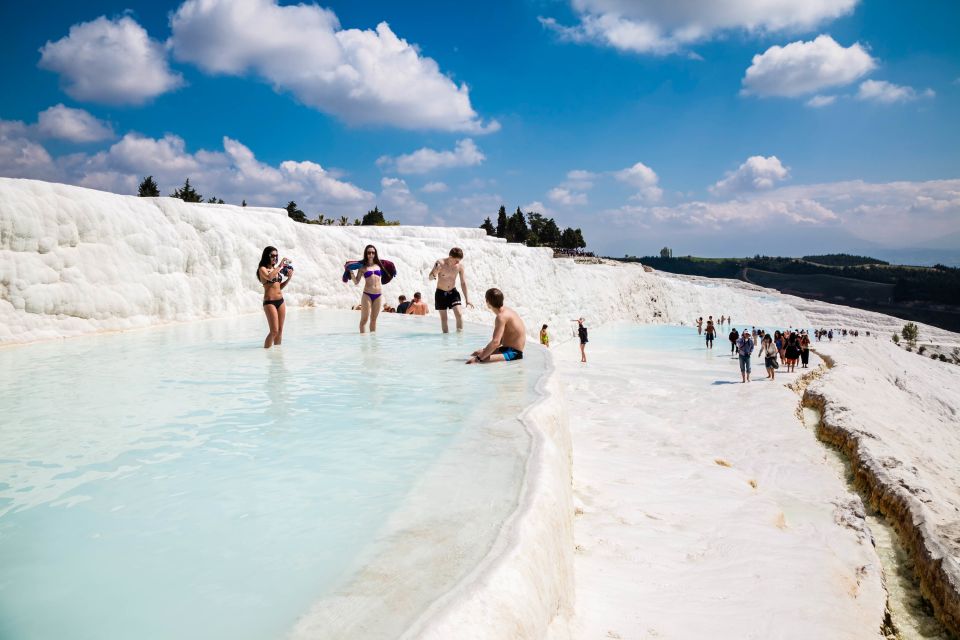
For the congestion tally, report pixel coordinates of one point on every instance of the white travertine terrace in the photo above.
(75, 261)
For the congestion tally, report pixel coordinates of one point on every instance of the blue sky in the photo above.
(764, 127)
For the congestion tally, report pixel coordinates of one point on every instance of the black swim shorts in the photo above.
(444, 300)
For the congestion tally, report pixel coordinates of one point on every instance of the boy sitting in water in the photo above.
(509, 334)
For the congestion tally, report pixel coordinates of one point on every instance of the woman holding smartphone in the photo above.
(274, 276)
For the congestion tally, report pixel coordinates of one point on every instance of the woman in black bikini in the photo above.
(371, 299)
(271, 275)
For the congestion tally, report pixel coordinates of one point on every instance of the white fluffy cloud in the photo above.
(359, 76)
(644, 179)
(654, 26)
(566, 197)
(425, 160)
(434, 187)
(889, 93)
(398, 202)
(538, 207)
(579, 179)
(818, 101)
(757, 173)
(75, 125)
(896, 214)
(233, 174)
(802, 67)
(470, 210)
(110, 61)
(21, 157)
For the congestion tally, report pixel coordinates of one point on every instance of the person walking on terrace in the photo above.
(744, 349)
(446, 270)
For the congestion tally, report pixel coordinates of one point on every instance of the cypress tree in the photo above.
(517, 230)
(148, 188)
(502, 222)
(187, 193)
(373, 217)
(295, 213)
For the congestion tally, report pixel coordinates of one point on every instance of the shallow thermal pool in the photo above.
(665, 337)
(184, 482)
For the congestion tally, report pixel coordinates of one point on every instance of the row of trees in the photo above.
(533, 230)
(149, 189)
(372, 218)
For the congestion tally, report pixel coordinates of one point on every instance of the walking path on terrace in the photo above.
(705, 508)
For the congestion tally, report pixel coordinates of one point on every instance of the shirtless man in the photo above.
(418, 307)
(509, 334)
(446, 271)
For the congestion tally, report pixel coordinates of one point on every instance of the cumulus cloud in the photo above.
(398, 202)
(537, 207)
(802, 67)
(75, 125)
(21, 157)
(579, 179)
(644, 179)
(819, 101)
(889, 93)
(470, 210)
(657, 27)
(566, 197)
(895, 214)
(434, 187)
(359, 76)
(110, 61)
(425, 160)
(233, 174)
(756, 174)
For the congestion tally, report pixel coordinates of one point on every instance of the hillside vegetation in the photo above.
(927, 294)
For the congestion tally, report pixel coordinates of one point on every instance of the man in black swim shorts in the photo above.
(447, 297)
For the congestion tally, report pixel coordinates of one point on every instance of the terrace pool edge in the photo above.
(524, 586)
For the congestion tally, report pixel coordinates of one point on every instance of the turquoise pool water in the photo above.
(184, 482)
(665, 337)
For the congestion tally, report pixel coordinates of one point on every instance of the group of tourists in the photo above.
(820, 334)
(788, 347)
(509, 333)
(710, 330)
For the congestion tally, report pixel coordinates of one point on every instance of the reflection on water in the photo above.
(217, 489)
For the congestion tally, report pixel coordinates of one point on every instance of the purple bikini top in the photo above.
(367, 274)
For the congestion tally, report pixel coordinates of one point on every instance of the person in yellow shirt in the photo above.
(544, 337)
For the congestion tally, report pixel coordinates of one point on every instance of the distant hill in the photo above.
(924, 294)
(842, 260)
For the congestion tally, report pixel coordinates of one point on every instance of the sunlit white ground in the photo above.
(705, 507)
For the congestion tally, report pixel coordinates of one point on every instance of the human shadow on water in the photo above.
(716, 382)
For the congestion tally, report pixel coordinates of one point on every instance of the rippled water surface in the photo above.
(184, 482)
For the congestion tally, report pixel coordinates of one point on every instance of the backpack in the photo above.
(745, 346)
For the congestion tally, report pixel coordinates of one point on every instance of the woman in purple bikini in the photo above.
(371, 299)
